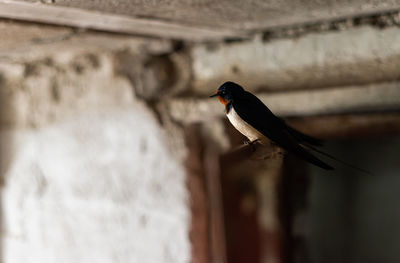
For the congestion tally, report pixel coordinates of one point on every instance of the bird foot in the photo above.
(251, 144)
(248, 142)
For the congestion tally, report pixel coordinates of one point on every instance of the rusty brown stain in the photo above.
(199, 235)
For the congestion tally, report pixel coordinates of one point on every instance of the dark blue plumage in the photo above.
(256, 115)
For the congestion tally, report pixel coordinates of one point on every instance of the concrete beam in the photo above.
(256, 15)
(344, 58)
(377, 97)
(75, 17)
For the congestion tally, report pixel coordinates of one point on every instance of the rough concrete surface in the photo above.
(46, 91)
(25, 41)
(95, 189)
(236, 14)
(89, 19)
(90, 174)
(351, 57)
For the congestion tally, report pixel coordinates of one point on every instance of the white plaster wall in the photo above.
(89, 173)
(99, 188)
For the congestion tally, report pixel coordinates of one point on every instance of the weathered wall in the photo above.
(353, 56)
(92, 165)
(89, 174)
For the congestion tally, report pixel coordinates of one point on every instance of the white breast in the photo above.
(245, 128)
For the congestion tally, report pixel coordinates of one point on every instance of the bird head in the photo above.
(227, 92)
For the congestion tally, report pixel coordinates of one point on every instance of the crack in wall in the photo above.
(378, 20)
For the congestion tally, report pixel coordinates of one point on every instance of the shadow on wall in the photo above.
(6, 123)
(6, 138)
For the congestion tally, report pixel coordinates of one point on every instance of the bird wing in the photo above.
(254, 112)
(301, 137)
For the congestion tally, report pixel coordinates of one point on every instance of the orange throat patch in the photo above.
(223, 101)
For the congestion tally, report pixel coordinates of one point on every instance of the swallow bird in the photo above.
(249, 115)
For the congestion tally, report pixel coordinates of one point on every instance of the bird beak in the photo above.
(215, 95)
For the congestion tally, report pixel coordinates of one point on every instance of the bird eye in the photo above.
(223, 92)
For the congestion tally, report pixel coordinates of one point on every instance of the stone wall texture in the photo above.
(88, 172)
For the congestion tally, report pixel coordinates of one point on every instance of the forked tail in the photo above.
(338, 160)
